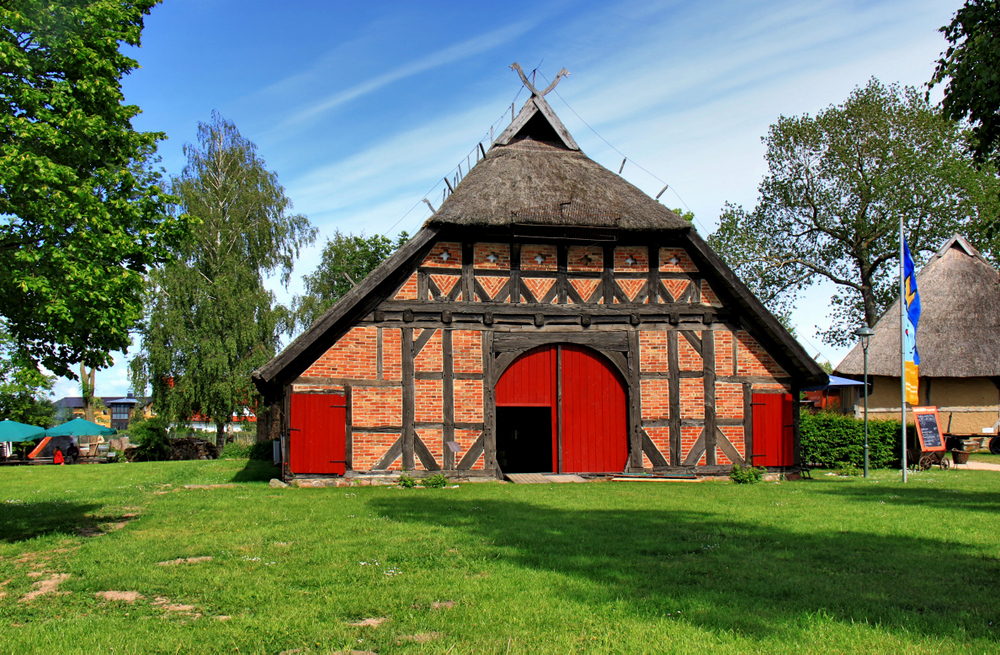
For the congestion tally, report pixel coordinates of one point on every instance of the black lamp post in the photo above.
(865, 334)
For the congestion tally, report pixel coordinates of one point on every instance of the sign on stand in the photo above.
(929, 428)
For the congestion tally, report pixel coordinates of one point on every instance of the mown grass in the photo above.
(828, 565)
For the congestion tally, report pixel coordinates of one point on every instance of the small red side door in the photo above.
(772, 430)
(318, 439)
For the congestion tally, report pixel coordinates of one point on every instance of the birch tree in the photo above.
(211, 320)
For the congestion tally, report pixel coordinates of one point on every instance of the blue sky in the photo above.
(362, 107)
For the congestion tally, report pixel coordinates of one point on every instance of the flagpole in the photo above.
(902, 343)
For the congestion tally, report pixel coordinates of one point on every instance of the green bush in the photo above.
(406, 481)
(153, 440)
(436, 481)
(747, 474)
(837, 441)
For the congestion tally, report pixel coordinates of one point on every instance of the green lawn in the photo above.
(828, 565)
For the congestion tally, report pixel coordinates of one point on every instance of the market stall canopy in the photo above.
(836, 382)
(14, 431)
(79, 427)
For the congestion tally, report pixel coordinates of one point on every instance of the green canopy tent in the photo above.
(14, 431)
(79, 427)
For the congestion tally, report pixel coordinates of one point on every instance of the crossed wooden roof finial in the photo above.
(531, 87)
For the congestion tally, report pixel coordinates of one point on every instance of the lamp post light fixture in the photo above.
(865, 334)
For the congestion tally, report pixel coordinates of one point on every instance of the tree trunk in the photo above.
(220, 435)
(87, 389)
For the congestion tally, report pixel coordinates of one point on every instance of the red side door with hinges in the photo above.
(773, 440)
(318, 441)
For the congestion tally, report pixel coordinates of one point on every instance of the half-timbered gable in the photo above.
(548, 317)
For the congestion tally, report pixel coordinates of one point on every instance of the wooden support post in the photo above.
(448, 384)
(559, 409)
(608, 275)
(422, 292)
(379, 366)
(515, 272)
(634, 403)
(409, 398)
(489, 404)
(708, 359)
(562, 266)
(796, 433)
(673, 370)
(468, 281)
(349, 429)
(748, 423)
(653, 284)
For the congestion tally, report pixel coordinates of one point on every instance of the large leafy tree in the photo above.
(24, 390)
(211, 321)
(971, 66)
(81, 220)
(838, 186)
(346, 260)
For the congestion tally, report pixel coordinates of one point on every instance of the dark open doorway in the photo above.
(524, 439)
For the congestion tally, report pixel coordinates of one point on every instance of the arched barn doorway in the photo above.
(561, 408)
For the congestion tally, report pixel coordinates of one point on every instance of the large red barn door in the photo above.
(772, 430)
(593, 427)
(318, 439)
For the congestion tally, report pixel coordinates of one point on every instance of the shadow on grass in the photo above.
(23, 521)
(257, 470)
(747, 577)
(924, 496)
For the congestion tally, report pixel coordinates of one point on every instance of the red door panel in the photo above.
(594, 404)
(318, 439)
(772, 429)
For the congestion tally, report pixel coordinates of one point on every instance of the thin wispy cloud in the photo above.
(467, 48)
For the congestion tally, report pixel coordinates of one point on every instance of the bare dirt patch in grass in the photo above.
(372, 622)
(422, 638)
(165, 604)
(126, 596)
(186, 560)
(212, 486)
(43, 587)
(443, 605)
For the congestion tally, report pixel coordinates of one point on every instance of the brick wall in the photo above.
(754, 360)
(655, 399)
(728, 400)
(465, 439)
(735, 435)
(687, 357)
(723, 352)
(369, 448)
(467, 351)
(392, 354)
(639, 256)
(429, 358)
(501, 256)
(692, 398)
(468, 401)
(530, 254)
(428, 401)
(432, 438)
(377, 406)
(653, 355)
(353, 356)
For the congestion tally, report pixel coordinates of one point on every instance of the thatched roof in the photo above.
(535, 174)
(959, 330)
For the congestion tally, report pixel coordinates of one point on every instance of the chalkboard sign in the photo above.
(927, 428)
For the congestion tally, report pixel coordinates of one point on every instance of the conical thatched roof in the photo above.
(535, 174)
(959, 330)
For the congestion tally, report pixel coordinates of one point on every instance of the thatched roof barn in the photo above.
(958, 339)
(548, 317)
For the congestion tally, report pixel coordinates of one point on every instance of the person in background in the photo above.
(72, 453)
(58, 458)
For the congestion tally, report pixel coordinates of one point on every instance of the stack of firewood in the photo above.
(192, 448)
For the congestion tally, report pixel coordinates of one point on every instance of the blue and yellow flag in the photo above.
(912, 316)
